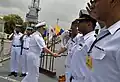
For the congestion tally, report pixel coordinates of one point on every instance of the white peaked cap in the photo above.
(29, 28)
(40, 24)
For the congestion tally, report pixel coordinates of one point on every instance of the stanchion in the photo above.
(47, 54)
(54, 38)
(51, 56)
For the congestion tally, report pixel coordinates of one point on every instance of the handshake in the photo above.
(62, 50)
(56, 55)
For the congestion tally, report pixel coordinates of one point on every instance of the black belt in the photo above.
(16, 45)
(26, 48)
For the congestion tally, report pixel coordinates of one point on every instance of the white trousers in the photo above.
(77, 80)
(24, 61)
(33, 63)
(15, 59)
(68, 74)
(86, 79)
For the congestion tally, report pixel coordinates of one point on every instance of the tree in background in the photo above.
(10, 21)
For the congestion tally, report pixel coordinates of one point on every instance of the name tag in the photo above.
(89, 62)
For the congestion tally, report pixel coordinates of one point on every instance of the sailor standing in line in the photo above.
(37, 45)
(15, 52)
(105, 50)
(75, 37)
(80, 71)
(25, 47)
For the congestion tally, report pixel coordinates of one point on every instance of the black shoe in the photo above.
(12, 73)
(15, 74)
(23, 75)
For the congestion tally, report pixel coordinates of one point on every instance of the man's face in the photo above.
(17, 30)
(102, 9)
(29, 32)
(82, 27)
(41, 30)
(74, 29)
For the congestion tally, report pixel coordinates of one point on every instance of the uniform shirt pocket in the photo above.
(98, 53)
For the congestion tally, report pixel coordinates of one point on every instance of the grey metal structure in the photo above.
(32, 15)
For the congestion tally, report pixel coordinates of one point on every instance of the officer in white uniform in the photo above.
(36, 46)
(15, 52)
(75, 38)
(80, 71)
(25, 48)
(105, 51)
(105, 55)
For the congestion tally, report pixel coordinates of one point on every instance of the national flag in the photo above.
(57, 29)
(45, 35)
(51, 32)
(61, 31)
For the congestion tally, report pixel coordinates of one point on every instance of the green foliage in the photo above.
(10, 21)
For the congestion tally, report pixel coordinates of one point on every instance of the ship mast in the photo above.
(32, 15)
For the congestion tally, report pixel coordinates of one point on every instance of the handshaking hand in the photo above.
(56, 55)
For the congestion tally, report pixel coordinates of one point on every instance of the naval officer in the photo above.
(86, 25)
(105, 51)
(25, 48)
(15, 52)
(36, 46)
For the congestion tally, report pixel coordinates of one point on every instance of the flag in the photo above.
(45, 35)
(46, 32)
(57, 29)
(51, 32)
(61, 31)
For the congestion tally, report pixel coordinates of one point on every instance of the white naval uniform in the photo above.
(106, 56)
(15, 52)
(80, 71)
(36, 46)
(26, 40)
(71, 43)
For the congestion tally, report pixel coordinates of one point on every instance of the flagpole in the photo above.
(57, 21)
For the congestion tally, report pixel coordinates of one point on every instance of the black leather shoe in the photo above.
(23, 75)
(12, 73)
(15, 74)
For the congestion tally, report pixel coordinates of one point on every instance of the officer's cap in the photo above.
(29, 28)
(41, 24)
(84, 16)
(83, 12)
(17, 25)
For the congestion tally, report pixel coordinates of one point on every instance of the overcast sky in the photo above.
(65, 10)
